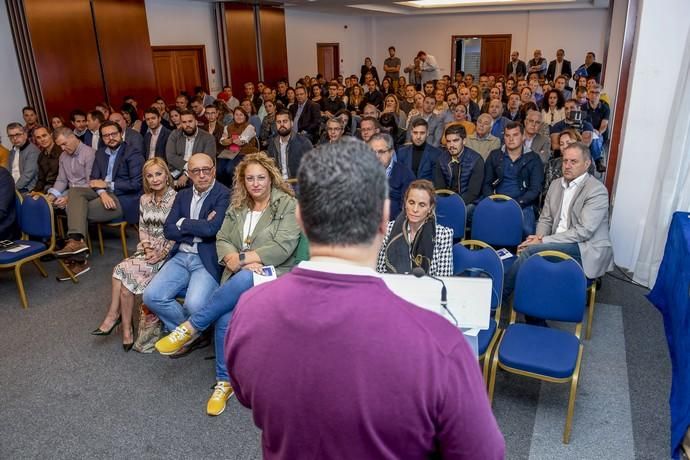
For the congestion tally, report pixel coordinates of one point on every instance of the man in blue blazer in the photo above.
(114, 189)
(153, 121)
(399, 175)
(192, 268)
(420, 156)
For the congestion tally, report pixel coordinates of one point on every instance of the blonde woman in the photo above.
(133, 274)
(416, 111)
(391, 105)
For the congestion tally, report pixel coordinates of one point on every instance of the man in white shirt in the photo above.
(287, 147)
(574, 220)
(429, 67)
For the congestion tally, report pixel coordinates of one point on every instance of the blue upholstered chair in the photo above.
(497, 220)
(550, 285)
(451, 212)
(476, 258)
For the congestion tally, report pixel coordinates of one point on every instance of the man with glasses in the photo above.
(598, 114)
(192, 270)
(287, 147)
(180, 148)
(23, 158)
(113, 191)
(534, 140)
(399, 175)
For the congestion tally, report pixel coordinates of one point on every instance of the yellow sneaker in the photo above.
(221, 393)
(174, 341)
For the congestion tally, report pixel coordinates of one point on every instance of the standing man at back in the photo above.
(391, 65)
(356, 393)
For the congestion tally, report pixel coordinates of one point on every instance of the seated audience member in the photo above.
(306, 115)
(175, 120)
(368, 126)
(30, 121)
(459, 117)
(287, 147)
(575, 119)
(574, 220)
(182, 102)
(534, 140)
(268, 125)
(471, 107)
(132, 121)
(132, 275)
(206, 99)
(482, 141)
(129, 135)
(239, 139)
(460, 168)
(315, 312)
(414, 239)
(553, 109)
(92, 138)
(391, 105)
(441, 106)
(516, 172)
(226, 96)
(75, 166)
(259, 229)
(350, 122)
(554, 167)
(8, 212)
(191, 270)
(356, 101)
(332, 104)
(597, 113)
(180, 148)
(434, 122)
(316, 94)
(156, 137)
(416, 110)
(370, 110)
(56, 122)
(251, 94)
(407, 103)
(23, 158)
(334, 131)
(399, 175)
(78, 120)
(113, 191)
(390, 126)
(266, 96)
(498, 121)
(48, 160)
(561, 85)
(420, 156)
(199, 111)
(281, 93)
(214, 126)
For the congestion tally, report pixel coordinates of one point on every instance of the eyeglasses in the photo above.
(110, 135)
(14, 136)
(200, 171)
(382, 152)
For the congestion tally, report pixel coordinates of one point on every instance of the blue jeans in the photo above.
(182, 272)
(529, 221)
(571, 249)
(219, 310)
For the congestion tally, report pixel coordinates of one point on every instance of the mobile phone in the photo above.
(268, 271)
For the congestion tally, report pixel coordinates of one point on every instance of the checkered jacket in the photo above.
(442, 259)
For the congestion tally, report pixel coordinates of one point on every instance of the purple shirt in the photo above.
(338, 366)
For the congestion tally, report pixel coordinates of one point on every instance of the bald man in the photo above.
(192, 270)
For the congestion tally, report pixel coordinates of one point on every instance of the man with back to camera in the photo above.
(334, 319)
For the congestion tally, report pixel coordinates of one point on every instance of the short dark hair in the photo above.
(197, 99)
(391, 48)
(28, 107)
(128, 97)
(284, 112)
(376, 123)
(16, 125)
(187, 112)
(582, 147)
(419, 122)
(515, 124)
(98, 115)
(107, 124)
(342, 191)
(594, 56)
(456, 129)
(152, 111)
(75, 113)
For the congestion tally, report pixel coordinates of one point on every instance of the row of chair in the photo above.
(548, 354)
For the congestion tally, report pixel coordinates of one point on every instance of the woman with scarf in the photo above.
(239, 139)
(414, 239)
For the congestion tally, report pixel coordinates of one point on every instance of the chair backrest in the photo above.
(293, 183)
(451, 212)
(551, 285)
(497, 220)
(18, 198)
(480, 260)
(37, 217)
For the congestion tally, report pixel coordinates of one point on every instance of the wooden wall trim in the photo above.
(622, 93)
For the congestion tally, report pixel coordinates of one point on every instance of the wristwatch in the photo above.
(242, 256)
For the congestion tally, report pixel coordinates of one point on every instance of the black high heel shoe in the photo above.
(99, 331)
(127, 346)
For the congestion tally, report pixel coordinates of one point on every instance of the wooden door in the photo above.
(242, 52)
(179, 69)
(495, 54)
(328, 60)
(273, 44)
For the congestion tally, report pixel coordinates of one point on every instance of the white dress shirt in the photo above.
(194, 210)
(16, 173)
(154, 140)
(569, 190)
(189, 145)
(96, 136)
(283, 156)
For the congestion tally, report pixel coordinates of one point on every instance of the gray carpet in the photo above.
(67, 394)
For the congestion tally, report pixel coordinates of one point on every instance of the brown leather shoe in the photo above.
(77, 268)
(72, 247)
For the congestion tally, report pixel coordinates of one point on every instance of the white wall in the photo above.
(576, 31)
(646, 120)
(181, 22)
(13, 97)
(305, 29)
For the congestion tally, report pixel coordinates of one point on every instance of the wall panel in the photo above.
(241, 44)
(273, 44)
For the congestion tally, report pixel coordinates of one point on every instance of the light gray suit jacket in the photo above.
(541, 145)
(588, 224)
(174, 149)
(28, 167)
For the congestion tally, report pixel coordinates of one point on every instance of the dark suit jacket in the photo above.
(310, 119)
(126, 177)
(217, 200)
(161, 142)
(566, 69)
(426, 165)
(400, 178)
(8, 212)
(297, 146)
(521, 69)
(135, 139)
(88, 137)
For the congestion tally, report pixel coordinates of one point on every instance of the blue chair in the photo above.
(497, 220)
(476, 258)
(550, 285)
(38, 233)
(451, 212)
(18, 199)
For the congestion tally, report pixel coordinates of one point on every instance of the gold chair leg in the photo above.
(40, 268)
(590, 315)
(571, 399)
(123, 237)
(88, 242)
(69, 272)
(20, 285)
(100, 237)
(492, 378)
(60, 227)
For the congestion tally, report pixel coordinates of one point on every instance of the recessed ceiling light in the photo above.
(454, 3)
